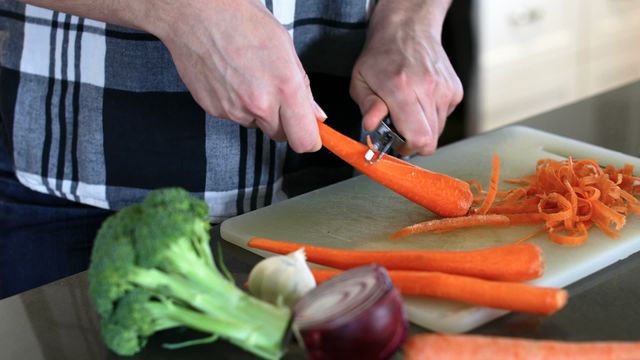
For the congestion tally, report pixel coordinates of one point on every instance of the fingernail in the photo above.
(319, 111)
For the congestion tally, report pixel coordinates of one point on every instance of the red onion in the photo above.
(356, 315)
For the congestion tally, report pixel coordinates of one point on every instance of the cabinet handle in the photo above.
(526, 17)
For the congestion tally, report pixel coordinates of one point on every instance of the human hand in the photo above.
(239, 63)
(403, 70)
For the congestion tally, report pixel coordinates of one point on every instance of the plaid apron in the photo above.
(97, 114)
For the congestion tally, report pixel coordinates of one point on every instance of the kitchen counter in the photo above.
(57, 321)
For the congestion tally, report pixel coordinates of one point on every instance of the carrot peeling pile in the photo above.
(524, 260)
(446, 195)
(567, 197)
(475, 347)
(496, 294)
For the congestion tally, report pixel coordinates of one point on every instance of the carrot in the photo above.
(496, 294)
(475, 347)
(509, 263)
(451, 223)
(493, 186)
(439, 193)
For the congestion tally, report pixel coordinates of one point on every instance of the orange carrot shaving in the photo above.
(477, 347)
(447, 196)
(493, 186)
(496, 294)
(524, 260)
(529, 236)
(451, 223)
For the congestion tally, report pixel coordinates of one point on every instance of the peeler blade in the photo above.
(380, 141)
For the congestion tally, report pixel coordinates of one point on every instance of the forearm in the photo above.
(394, 13)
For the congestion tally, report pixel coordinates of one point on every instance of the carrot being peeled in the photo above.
(476, 347)
(519, 262)
(439, 193)
(496, 294)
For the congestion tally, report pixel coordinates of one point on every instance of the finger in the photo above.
(299, 123)
(320, 114)
(372, 107)
(435, 122)
(412, 122)
(375, 110)
(272, 128)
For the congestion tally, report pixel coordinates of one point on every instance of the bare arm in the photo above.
(403, 70)
(225, 51)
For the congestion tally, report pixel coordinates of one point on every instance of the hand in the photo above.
(239, 63)
(404, 70)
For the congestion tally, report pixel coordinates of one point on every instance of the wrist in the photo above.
(424, 15)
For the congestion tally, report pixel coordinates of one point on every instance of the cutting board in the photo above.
(360, 214)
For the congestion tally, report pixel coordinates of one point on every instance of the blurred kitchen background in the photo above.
(532, 56)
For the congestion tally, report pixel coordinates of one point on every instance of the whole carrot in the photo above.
(496, 294)
(474, 347)
(517, 262)
(440, 193)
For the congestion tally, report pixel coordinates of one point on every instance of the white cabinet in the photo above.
(613, 46)
(535, 55)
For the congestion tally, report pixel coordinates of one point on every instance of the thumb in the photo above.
(373, 111)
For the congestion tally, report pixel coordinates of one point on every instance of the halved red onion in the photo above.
(356, 315)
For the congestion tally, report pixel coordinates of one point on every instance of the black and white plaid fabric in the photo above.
(98, 114)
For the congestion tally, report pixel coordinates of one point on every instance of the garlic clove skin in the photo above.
(282, 279)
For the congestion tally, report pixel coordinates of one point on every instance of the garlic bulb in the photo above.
(281, 279)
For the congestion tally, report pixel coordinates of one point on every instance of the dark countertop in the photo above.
(57, 321)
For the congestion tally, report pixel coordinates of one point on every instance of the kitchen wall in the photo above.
(536, 55)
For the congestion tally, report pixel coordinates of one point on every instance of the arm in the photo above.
(225, 51)
(403, 70)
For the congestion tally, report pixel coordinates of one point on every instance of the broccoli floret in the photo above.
(152, 269)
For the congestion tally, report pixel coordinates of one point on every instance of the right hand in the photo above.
(239, 63)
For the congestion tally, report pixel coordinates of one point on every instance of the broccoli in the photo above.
(152, 269)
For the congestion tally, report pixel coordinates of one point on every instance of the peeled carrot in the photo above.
(475, 347)
(496, 294)
(439, 193)
(451, 223)
(509, 263)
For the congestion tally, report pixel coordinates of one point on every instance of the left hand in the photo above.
(404, 70)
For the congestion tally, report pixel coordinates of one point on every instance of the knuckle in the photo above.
(400, 80)
(257, 103)
(420, 142)
(289, 88)
(458, 94)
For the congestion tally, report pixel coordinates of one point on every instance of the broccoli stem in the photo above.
(261, 340)
(248, 322)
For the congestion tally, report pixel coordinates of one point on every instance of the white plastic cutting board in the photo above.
(360, 214)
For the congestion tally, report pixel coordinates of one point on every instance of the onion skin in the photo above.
(376, 331)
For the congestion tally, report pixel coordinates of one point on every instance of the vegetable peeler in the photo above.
(382, 139)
